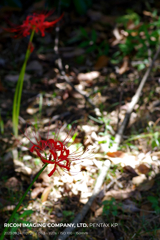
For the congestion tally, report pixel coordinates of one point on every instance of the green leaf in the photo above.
(80, 59)
(67, 213)
(94, 36)
(115, 212)
(101, 142)
(37, 161)
(153, 144)
(91, 49)
(74, 136)
(141, 66)
(26, 213)
(106, 49)
(84, 44)
(84, 33)
(153, 199)
(74, 39)
(157, 209)
(16, 216)
(26, 222)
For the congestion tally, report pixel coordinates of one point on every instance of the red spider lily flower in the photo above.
(53, 151)
(36, 22)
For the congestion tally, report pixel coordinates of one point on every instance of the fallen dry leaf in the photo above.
(45, 184)
(88, 76)
(130, 169)
(65, 94)
(116, 154)
(146, 185)
(143, 168)
(63, 86)
(98, 212)
(36, 191)
(117, 34)
(119, 195)
(124, 159)
(101, 62)
(21, 168)
(44, 177)
(32, 109)
(139, 179)
(131, 26)
(37, 184)
(147, 13)
(125, 66)
(84, 197)
(45, 194)
(129, 206)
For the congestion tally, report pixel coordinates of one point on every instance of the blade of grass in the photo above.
(18, 91)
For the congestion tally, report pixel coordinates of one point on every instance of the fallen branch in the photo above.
(67, 231)
(132, 104)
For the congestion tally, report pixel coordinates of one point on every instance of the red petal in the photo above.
(50, 174)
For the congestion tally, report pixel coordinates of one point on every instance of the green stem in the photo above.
(20, 202)
(18, 91)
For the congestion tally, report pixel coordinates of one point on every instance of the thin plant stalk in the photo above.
(1, 124)
(20, 202)
(18, 91)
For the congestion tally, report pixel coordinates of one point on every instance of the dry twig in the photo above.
(132, 104)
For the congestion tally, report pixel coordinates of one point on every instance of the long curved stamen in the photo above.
(55, 152)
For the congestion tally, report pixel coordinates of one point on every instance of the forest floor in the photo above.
(105, 54)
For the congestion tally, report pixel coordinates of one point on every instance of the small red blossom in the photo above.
(53, 151)
(54, 147)
(36, 22)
